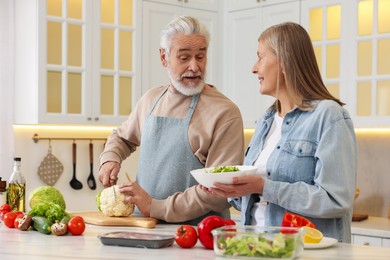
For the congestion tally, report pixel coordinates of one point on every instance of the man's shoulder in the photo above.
(212, 95)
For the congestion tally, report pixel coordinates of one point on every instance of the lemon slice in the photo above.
(311, 235)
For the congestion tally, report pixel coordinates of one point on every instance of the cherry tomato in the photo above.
(186, 236)
(5, 207)
(76, 225)
(206, 226)
(9, 219)
(17, 220)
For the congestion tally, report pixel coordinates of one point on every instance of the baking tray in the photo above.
(134, 239)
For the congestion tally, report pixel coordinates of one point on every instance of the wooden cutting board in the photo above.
(97, 218)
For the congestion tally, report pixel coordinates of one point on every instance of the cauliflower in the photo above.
(111, 203)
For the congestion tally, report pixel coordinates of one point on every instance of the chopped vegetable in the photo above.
(224, 169)
(257, 246)
(294, 220)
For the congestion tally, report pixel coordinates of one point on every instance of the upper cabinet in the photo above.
(209, 5)
(352, 45)
(155, 16)
(242, 29)
(74, 61)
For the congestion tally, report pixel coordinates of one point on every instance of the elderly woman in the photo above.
(304, 146)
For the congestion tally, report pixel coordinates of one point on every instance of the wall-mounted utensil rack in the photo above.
(36, 138)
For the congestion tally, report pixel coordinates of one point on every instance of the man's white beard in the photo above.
(189, 90)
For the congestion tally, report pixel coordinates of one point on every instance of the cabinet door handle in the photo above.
(96, 119)
(89, 118)
(366, 243)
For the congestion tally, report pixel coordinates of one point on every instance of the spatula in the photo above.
(91, 179)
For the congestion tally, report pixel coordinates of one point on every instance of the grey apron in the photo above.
(166, 157)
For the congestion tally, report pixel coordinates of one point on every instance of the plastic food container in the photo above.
(258, 242)
(133, 239)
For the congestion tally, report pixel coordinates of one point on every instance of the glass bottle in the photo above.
(17, 188)
(3, 192)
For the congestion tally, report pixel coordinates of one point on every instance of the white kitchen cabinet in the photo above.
(74, 62)
(367, 240)
(352, 42)
(235, 5)
(155, 16)
(242, 29)
(210, 5)
(374, 231)
(386, 242)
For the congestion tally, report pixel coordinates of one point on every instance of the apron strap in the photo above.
(191, 108)
(155, 101)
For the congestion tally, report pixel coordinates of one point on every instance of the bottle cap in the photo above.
(17, 159)
(3, 185)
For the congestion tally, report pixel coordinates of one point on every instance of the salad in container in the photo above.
(258, 242)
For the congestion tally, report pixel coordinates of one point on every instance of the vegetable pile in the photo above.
(47, 214)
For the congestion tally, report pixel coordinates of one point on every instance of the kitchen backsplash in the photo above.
(373, 166)
(32, 155)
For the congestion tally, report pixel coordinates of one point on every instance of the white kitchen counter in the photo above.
(15, 244)
(373, 226)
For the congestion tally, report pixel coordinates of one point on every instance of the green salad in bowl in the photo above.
(222, 174)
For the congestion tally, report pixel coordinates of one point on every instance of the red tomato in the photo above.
(9, 219)
(5, 207)
(17, 220)
(186, 236)
(206, 226)
(76, 225)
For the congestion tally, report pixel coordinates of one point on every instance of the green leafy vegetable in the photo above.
(98, 201)
(47, 194)
(224, 169)
(52, 211)
(257, 246)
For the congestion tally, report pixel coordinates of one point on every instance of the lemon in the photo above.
(311, 235)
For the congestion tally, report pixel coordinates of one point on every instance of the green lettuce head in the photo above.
(47, 194)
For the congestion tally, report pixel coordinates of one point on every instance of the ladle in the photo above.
(74, 183)
(91, 179)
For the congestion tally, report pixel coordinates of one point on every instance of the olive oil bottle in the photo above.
(17, 188)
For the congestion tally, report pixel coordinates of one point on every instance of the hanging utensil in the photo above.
(74, 183)
(91, 179)
(50, 168)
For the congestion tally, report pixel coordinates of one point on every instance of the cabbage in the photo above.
(47, 194)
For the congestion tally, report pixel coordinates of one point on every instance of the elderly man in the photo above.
(185, 125)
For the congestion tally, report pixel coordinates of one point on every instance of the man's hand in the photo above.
(138, 196)
(108, 173)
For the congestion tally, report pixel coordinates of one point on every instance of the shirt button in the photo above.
(287, 123)
(268, 173)
(278, 147)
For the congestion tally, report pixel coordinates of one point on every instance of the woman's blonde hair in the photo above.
(293, 48)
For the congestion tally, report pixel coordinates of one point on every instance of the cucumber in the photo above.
(42, 224)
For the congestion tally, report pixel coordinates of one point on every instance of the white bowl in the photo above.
(207, 179)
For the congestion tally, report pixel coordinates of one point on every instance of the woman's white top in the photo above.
(273, 137)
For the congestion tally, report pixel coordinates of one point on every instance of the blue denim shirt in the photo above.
(312, 170)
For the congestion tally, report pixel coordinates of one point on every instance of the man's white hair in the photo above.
(186, 25)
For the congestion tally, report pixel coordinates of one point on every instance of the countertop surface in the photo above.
(373, 226)
(31, 245)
